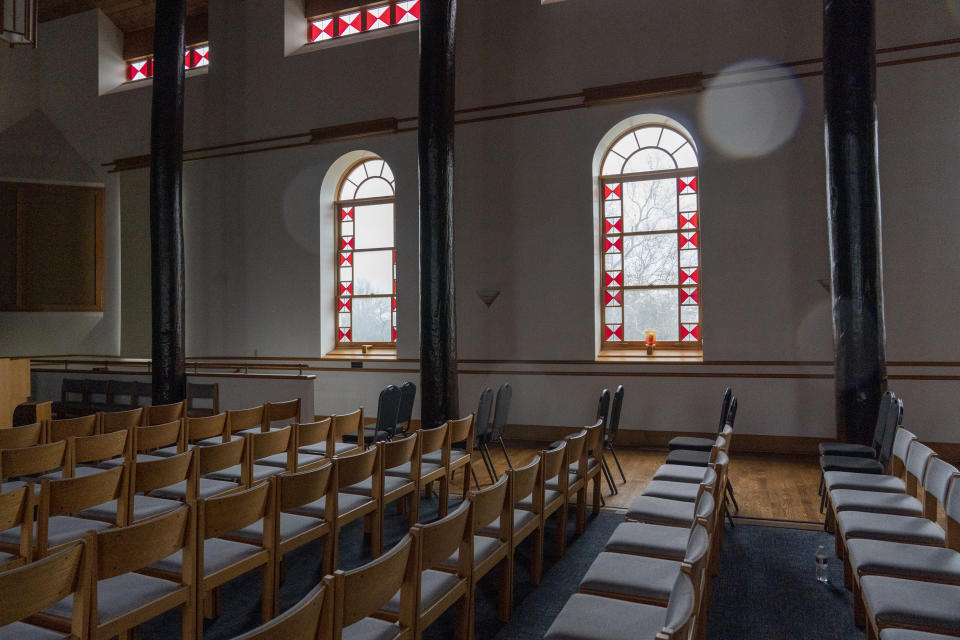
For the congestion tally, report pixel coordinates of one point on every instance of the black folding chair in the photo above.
(500, 415)
(603, 414)
(481, 425)
(387, 408)
(613, 427)
(408, 394)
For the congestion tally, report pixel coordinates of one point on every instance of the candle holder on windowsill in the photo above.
(650, 339)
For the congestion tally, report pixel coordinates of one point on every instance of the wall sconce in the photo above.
(488, 295)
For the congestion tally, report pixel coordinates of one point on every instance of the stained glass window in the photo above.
(366, 258)
(650, 239)
(193, 58)
(371, 18)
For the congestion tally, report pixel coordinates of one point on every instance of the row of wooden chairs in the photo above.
(80, 397)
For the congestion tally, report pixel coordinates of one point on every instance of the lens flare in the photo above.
(751, 108)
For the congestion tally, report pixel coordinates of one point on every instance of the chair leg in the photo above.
(505, 597)
(473, 472)
(505, 454)
(617, 460)
(189, 622)
(444, 496)
(581, 510)
(467, 471)
(597, 495)
(729, 490)
(611, 483)
(562, 530)
(821, 487)
(536, 562)
(267, 594)
(488, 463)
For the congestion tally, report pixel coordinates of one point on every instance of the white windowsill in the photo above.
(310, 47)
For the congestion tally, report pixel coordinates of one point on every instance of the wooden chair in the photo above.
(16, 511)
(27, 590)
(492, 508)
(555, 470)
(72, 401)
(243, 421)
(207, 430)
(30, 461)
(340, 508)
(309, 619)
(359, 594)
(163, 413)
(98, 396)
(125, 596)
(26, 436)
(576, 480)
(393, 454)
(314, 439)
(122, 395)
(210, 459)
(85, 454)
(591, 459)
(219, 560)
(287, 412)
(893, 482)
(296, 459)
(699, 443)
(527, 487)
(661, 541)
(291, 491)
(429, 441)
(149, 439)
(60, 499)
(72, 427)
(385, 427)
(441, 589)
(147, 476)
(196, 392)
(261, 444)
(457, 454)
(348, 423)
(118, 420)
(678, 513)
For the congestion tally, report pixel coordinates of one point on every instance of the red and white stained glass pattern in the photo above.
(366, 256)
(372, 18)
(193, 57)
(650, 242)
(196, 57)
(140, 70)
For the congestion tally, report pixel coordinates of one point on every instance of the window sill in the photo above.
(310, 47)
(356, 353)
(659, 356)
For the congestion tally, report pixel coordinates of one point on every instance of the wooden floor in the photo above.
(768, 486)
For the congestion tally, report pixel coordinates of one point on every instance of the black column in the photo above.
(438, 320)
(853, 201)
(166, 222)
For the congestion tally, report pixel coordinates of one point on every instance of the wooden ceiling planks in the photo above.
(128, 15)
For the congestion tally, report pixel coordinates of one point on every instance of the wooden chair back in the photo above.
(117, 420)
(698, 546)
(122, 392)
(936, 485)
(309, 619)
(96, 448)
(156, 474)
(287, 412)
(243, 419)
(203, 427)
(526, 480)
(30, 461)
(394, 453)
(30, 589)
(20, 437)
(593, 442)
(491, 503)
(435, 439)
(917, 458)
(220, 456)
(901, 445)
(67, 496)
(355, 468)
(440, 538)
(462, 433)
(310, 433)
(679, 617)
(16, 510)
(303, 487)
(159, 436)
(269, 443)
(351, 423)
(163, 413)
(554, 465)
(361, 592)
(952, 512)
(576, 448)
(209, 392)
(72, 427)
(223, 514)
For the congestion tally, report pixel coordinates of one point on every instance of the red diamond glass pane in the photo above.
(612, 191)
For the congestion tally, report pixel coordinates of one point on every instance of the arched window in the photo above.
(366, 263)
(649, 239)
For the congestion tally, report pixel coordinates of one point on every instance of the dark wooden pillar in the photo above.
(853, 201)
(166, 222)
(438, 320)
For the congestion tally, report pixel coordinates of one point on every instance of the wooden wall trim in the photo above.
(116, 373)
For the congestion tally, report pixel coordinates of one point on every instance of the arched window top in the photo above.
(366, 263)
(649, 148)
(649, 238)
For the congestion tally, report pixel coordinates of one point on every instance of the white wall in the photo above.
(254, 251)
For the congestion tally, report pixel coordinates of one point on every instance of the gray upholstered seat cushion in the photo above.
(280, 459)
(165, 452)
(404, 469)
(644, 539)
(897, 559)
(290, 525)
(587, 617)
(863, 481)
(215, 440)
(691, 443)
(217, 554)
(232, 474)
(143, 507)
(390, 484)
(23, 631)
(346, 502)
(875, 502)
(684, 491)
(120, 595)
(882, 526)
(689, 457)
(643, 578)
(12, 485)
(554, 484)
(371, 629)
(434, 457)
(549, 496)
(206, 488)
(8, 557)
(141, 457)
(521, 517)
(844, 463)
(433, 586)
(80, 471)
(575, 466)
(60, 529)
(847, 449)
(483, 548)
(680, 473)
(909, 634)
(320, 448)
(662, 511)
(895, 602)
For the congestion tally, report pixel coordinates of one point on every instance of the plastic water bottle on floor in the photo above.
(821, 558)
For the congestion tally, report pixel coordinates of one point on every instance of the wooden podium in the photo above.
(14, 387)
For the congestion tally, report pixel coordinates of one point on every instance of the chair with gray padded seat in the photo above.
(877, 464)
(261, 444)
(119, 420)
(209, 394)
(683, 491)
(280, 414)
(72, 427)
(16, 465)
(891, 483)
(857, 450)
(200, 431)
(910, 634)
(295, 458)
(122, 395)
(693, 443)
(587, 617)
(501, 414)
(701, 458)
(16, 514)
(72, 399)
(86, 455)
(308, 619)
(688, 473)
(613, 428)
(146, 440)
(659, 541)
(924, 606)
(675, 512)
(31, 588)
(98, 396)
(481, 426)
(244, 421)
(340, 425)
(210, 459)
(408, 398)
(388, 407)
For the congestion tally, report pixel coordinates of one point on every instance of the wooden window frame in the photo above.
(623, 178)
(22, 258)
(333, 9)
(338, 204)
